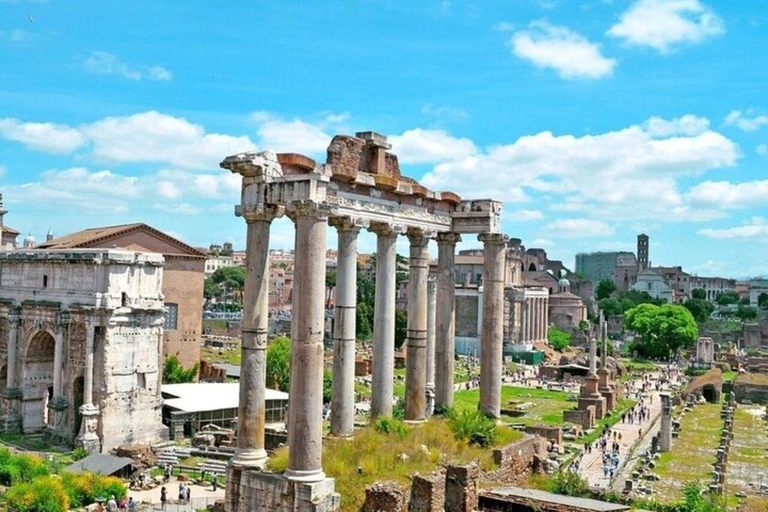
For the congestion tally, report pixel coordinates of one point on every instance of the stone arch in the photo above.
(709, 392)
(37, 375)
(532, 267)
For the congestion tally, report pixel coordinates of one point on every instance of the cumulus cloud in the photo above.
(687, 125)
(520, 215)
(630, 173)
(48, 137)
(748, 121)
(553, 47)
(756, 227)
(578, 228)
(297, 135)
(419, 146)
(105, 63)
(155, 137)
(665, 24)
(724, 194)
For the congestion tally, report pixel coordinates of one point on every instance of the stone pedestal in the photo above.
(266, 492)
(592, 396)
(88, 438)
(11, 421)
(56, 432)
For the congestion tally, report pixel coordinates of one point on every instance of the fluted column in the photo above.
(305, 414)
(431, 305)
(383, 371)
(13, 336)
(416, 343)
(445, 309)
(492, 339)
(343, 402)
(88, 372)
(253, 375)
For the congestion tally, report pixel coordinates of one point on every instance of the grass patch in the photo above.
(692, 454)
(221, 355)
(540, 405)
(637, 365)
(379, 457)
(747, 463)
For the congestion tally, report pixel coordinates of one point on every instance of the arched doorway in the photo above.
(38, 381)
(532, 267)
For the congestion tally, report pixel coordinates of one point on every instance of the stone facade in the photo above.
(183, 278)
(80, 342)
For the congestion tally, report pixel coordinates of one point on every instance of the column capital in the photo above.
(448, 238)
(493, 238)
(261, 212)
(418, 237)
(306, 208)
(386, 230)
(346, 224)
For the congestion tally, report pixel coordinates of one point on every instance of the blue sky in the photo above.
(593, 120)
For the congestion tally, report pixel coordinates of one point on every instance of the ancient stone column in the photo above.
(416, 343)
(253, 374)
(383, 371)
(305, 414)
(343, 402)
(492, 339)
(665, 427)
(58, 365)
(445, 341)
(592, 357)
(87, 437)
(11, 422)
(431, 319)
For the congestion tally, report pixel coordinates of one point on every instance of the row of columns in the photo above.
(307, 359)
(535, 320)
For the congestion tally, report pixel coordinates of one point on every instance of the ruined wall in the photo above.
(518, 460)
(183, 285)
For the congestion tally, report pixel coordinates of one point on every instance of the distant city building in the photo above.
(599, 266)
(712, 286)
(642, 251)
(652, 282)
(8, 235)
(757, 287)
(678, 280)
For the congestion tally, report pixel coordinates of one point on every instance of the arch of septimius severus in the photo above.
(359, 187)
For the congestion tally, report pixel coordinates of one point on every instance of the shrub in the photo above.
(558, 339)
(16, 469)
(386, 425)
(83, 489)
(570, 484)
(79, 453)
(44, 494)
(474, 428)
(174, 373)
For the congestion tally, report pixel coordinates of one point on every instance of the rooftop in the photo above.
(202, 396)
(520, 495)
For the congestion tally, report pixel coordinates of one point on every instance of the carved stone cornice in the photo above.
(384, 229)
(306, 208)
(347, 224)
(417, 237)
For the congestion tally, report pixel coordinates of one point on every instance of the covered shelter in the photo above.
(187, 408)
(517, 499)
(102, 464)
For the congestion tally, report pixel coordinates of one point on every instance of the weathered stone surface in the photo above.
(427, 493)
(384, 497)
(461, 488)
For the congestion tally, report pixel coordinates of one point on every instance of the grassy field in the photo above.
(373, 456)
(220, 355)
(747, 463)
(540, 405)
(693, 453)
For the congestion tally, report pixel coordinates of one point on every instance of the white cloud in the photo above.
(687, 125)
(426, 146)
(762, 149)
(105, 63)
(48, 137)
(520, 215)
(559, 48)
(443, 111)
(578, 228)
(664, 24)
(155, 137)
(296, 135)
(748, 121)
(629, 173)
(754, 228)
(723, 194)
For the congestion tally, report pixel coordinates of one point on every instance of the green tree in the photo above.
(698, 293)
(230, 278)
(210, 288)
(569, 483)
(401, 327)
(604, 289)
(726, 298)
(610, 307)
(662, 329)
(700, 309)
(279, 364)
(327, 386)
(558, 338)
(762, 300)
(746, 313)
(330, 278)
(174, 373)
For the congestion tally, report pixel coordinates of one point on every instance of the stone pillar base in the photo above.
(249, 489)
(598, 402)
(11, 422)
(56, 431)
(87, 437)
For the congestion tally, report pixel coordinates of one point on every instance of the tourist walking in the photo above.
(163, 497)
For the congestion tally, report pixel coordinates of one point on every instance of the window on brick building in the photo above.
(171, 316)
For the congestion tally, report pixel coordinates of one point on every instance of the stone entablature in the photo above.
(80, 332)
